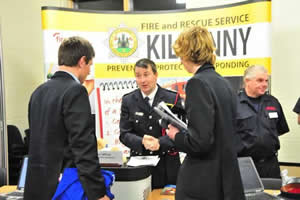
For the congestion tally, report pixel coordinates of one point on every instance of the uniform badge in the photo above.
(270, 108)
(139, 114)
(273, 115)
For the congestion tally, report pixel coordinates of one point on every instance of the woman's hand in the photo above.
(172, 131)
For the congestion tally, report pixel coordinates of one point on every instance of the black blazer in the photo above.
(210, 170)
(62, 135)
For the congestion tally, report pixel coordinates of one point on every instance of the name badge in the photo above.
(273, 115)
(139, 114)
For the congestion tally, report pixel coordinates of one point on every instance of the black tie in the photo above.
(147, 102)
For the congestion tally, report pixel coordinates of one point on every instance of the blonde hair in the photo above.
(196, 44)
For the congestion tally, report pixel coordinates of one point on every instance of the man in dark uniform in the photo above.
(139, 124)
(297, 110)
(260, 120)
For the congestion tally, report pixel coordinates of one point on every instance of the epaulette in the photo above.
(172, 91)
(128, 93)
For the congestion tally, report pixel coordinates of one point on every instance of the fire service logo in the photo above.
(123, 42)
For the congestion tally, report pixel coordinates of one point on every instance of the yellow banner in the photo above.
(175, 69)
(249, 13)
(241, 33)
(237, 67)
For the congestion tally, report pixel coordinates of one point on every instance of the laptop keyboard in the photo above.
(11, 198)
(15, 195)
(261, 196)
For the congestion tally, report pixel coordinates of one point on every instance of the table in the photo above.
(272, 192)
(131, 183)
(155, 195)
(7, 188)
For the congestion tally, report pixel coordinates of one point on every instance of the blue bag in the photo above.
(70, 188)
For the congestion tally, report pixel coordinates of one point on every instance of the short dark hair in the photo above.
(72, 49)
(144, 63)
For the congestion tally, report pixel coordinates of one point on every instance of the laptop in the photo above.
(253, 187)
(18, 193)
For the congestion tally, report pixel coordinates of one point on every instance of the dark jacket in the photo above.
(62, 135)
(137, 120)
(296, 109)
(210, 170)
(258, 130)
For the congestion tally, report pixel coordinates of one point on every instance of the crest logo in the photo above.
(123, 42)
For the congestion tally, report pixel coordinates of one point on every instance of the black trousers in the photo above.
(165, 172)
(268, 168)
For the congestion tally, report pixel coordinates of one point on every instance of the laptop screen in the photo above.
(22, 177)
(250, 178)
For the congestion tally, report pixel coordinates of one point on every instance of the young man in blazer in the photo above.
(62, 131)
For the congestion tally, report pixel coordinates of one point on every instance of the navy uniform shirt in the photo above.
(137, 119)
(258, 127)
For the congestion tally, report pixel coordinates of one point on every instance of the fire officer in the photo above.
(139, 123)
(260, 120)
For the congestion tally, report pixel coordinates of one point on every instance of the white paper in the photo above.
(143, 160)
(163, 110)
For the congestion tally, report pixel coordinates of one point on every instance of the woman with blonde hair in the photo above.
(210, 169)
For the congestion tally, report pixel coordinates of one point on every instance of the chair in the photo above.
(27, 139)
(16, 152)
(272, 183)
(2, 176)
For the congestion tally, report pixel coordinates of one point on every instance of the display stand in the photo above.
(132, 183)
